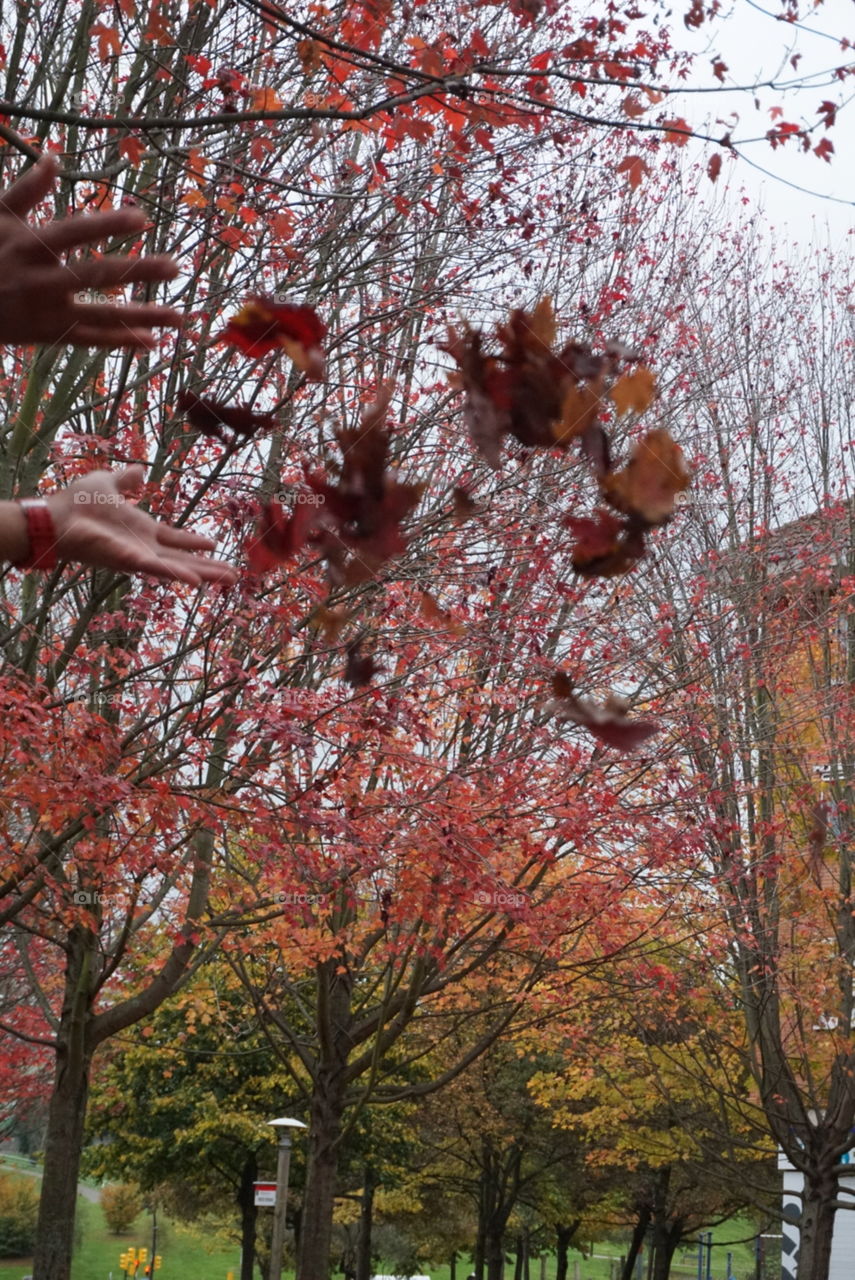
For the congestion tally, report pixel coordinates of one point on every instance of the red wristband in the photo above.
(41, 533)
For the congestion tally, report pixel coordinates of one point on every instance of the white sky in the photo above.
(757, 46)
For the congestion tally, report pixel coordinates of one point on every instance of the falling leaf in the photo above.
(649, 484)
(309, 53)
(608, 722)
(579, 411)
(360, 668)
(464, 506)
(605, 546)
(635, 169)
(331, 621)
(714, 167)
(634, 391)
(677, 132)
(280, 536)
(262, 325)
(209, 416)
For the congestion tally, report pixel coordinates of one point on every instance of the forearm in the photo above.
(14, 542)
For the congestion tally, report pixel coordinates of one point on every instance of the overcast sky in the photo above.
(755, 45)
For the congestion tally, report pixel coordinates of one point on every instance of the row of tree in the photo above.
(339, 780)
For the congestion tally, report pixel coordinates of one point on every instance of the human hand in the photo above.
(38, 292)
(96, 525)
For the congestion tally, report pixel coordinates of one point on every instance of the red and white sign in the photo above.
(265, 1193)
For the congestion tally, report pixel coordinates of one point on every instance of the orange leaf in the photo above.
(635, 169)
(579, 410)
(108, 41)
(649, 484)
(634, 391)
(677, 131)
(632, 107)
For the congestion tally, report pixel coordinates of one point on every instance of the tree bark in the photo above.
(366, 1215)
(248, 1214)
(563, 1236)
(494, 1253)
(321, 1177)
(638, 1233)
(816, 1226)
(66, 1116)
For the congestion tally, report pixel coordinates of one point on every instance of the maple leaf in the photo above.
(278, 536)
(714, 167)
(634, 391)
(264, 325)
(464, 506)
(608, 722)
(605, 546)
(824, 149)
(360, 668)
(109, 44)
(309, 53)
(650, 482)
(633, 107)
(209, 416)
(635, 169)
(677, 132)
(579, 411)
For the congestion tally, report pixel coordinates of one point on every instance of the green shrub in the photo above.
(122, 1205)
(19, 1207)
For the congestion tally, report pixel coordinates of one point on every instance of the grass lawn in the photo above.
(189, 1256)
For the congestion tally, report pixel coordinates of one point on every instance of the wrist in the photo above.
(39, 550)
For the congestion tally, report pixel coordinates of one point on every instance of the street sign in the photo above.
(265, 1193)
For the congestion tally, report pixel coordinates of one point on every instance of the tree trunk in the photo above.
(366, 1214)
(248, 1213)
(638, 1233)
(494, 1254)
(64, 1138)
(519, 1260)
(663, 1255)
(321, 1172)
(563, 1236)
(816, 1226)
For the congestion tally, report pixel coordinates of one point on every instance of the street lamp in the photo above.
(283, 1125)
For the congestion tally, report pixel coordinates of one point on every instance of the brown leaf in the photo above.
(360, 667)
(608, 722)
(634, 391)
(605, 546)
(331, 621)
(579, 411)
(464, 506)
(649, 484)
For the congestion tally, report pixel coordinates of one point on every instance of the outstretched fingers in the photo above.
(32, 187)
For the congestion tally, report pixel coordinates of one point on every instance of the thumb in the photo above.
(130, 481)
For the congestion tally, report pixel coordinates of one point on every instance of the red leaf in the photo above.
(824, 149)
(208, 416)
(263, 325)
(714, 167)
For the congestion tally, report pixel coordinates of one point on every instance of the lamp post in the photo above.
(282, 1169)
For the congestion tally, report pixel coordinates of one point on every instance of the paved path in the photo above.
(93, 1194)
